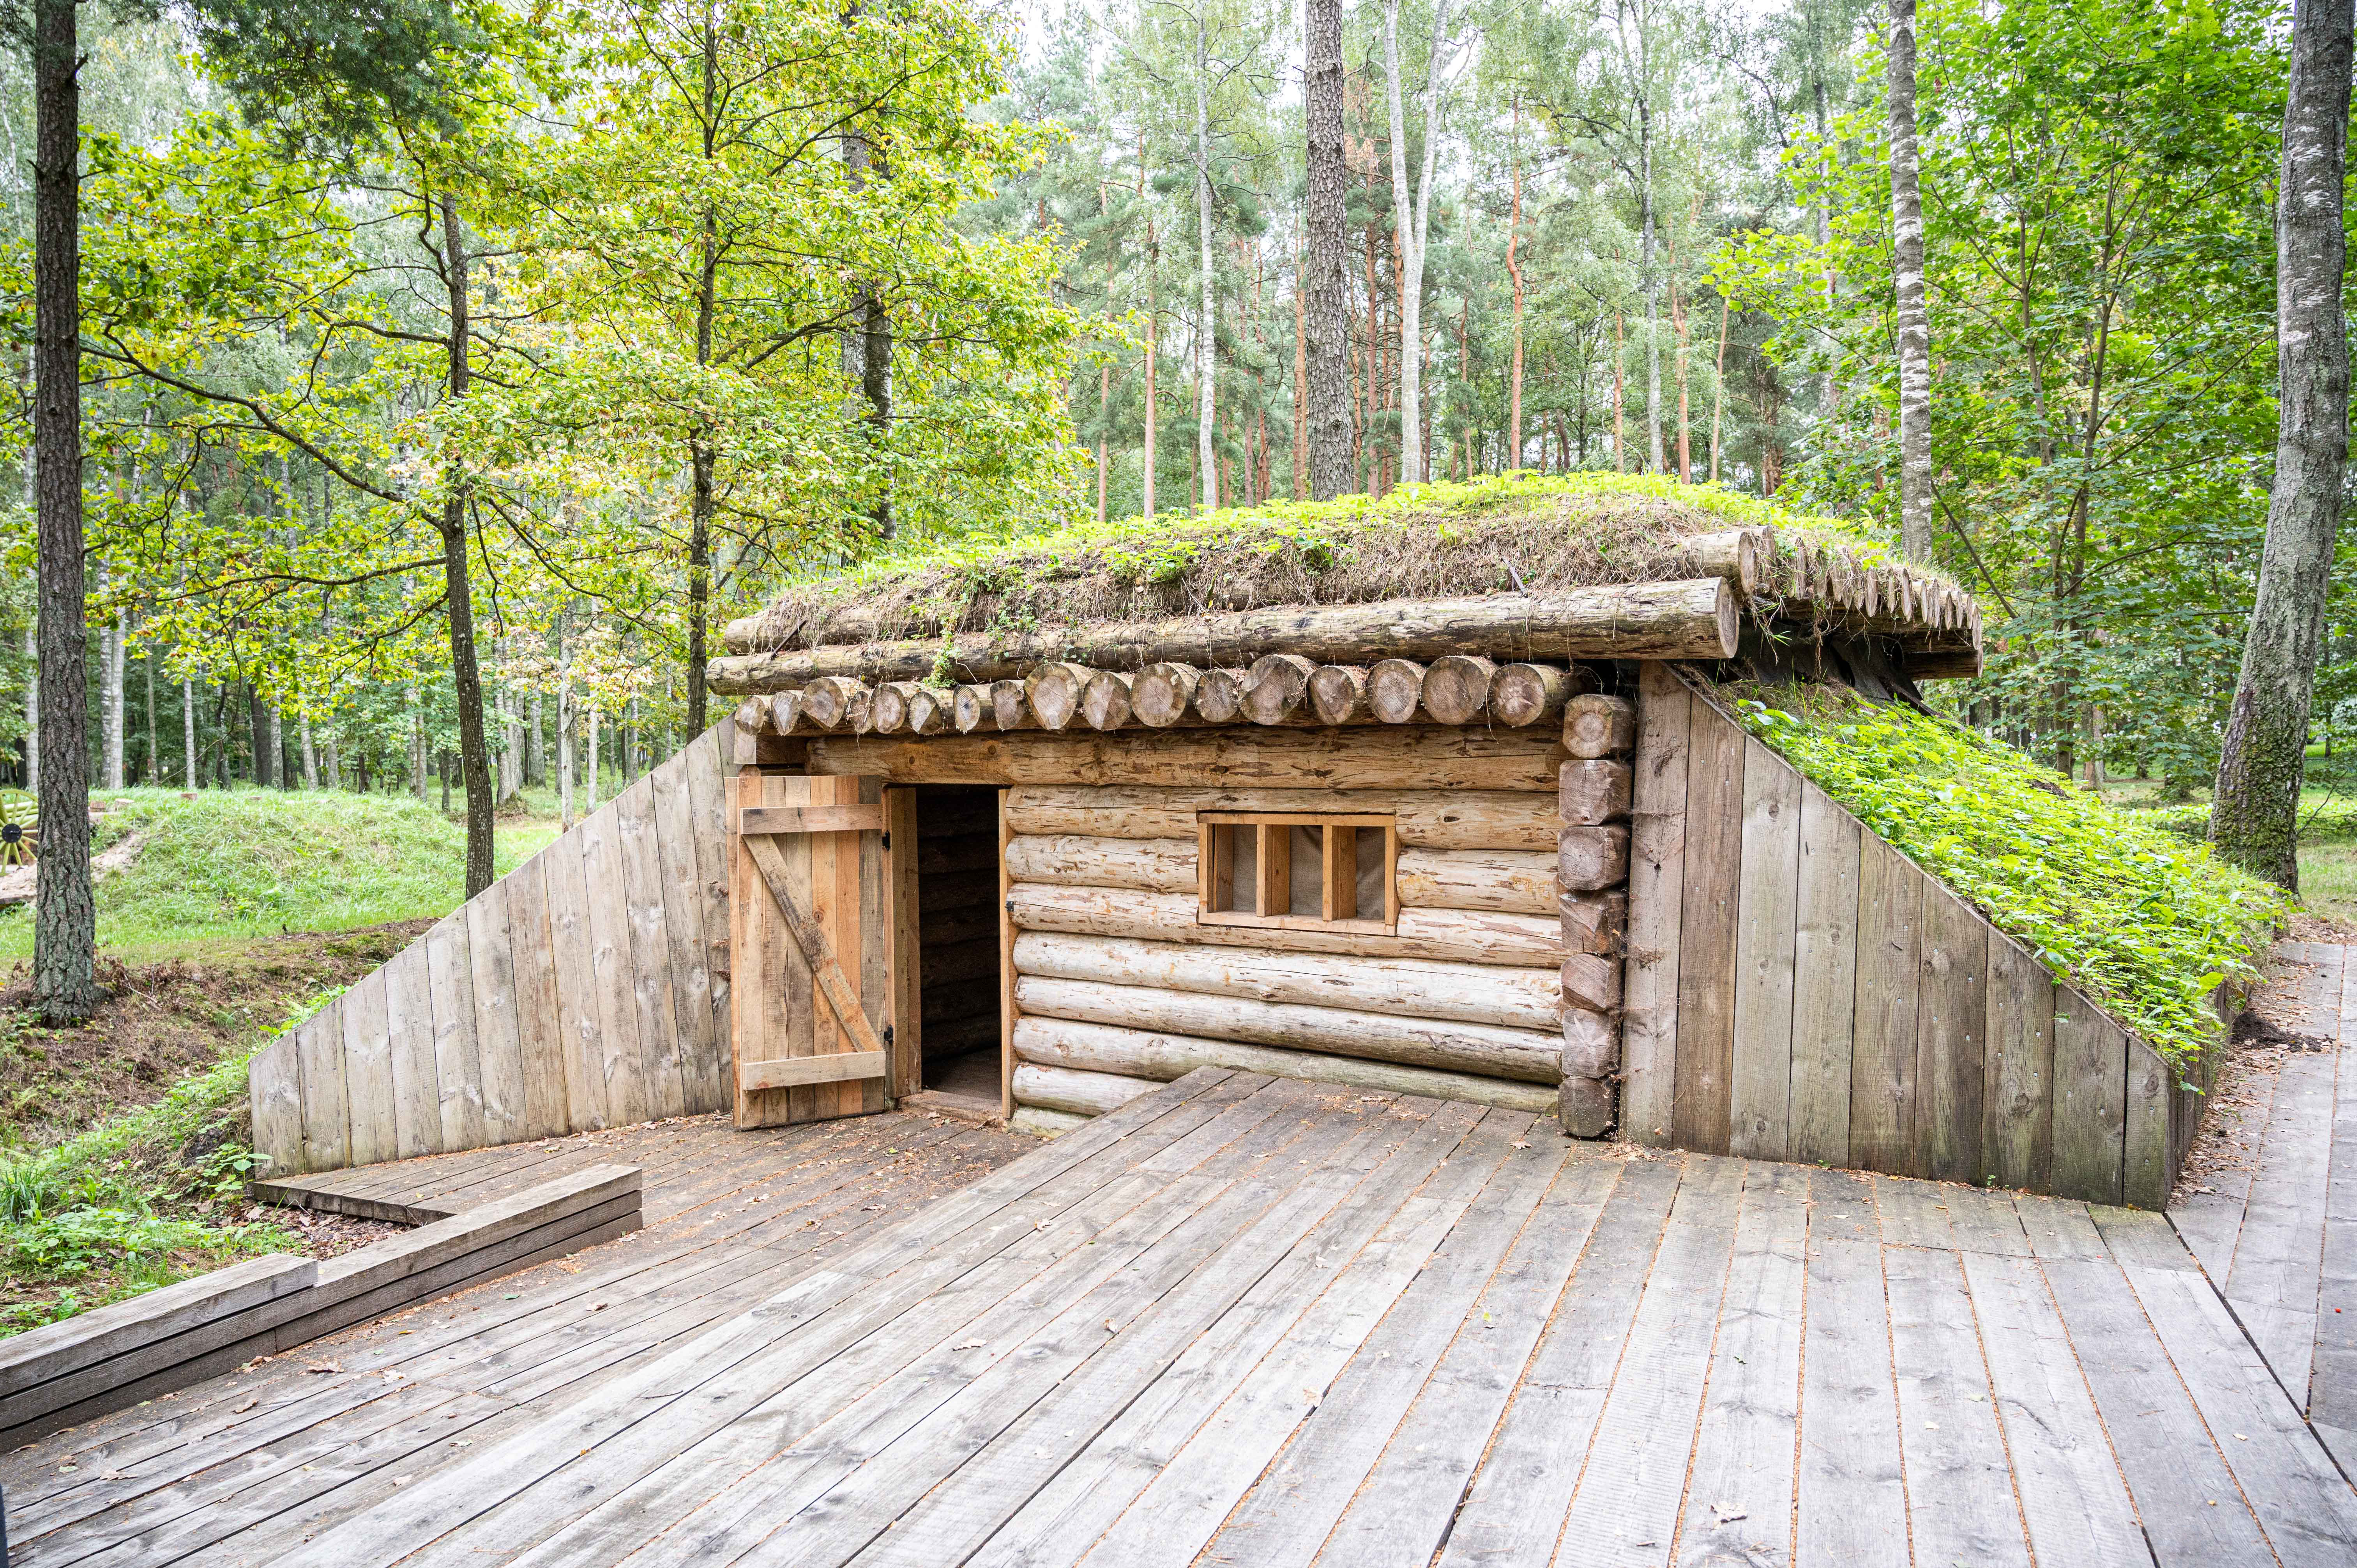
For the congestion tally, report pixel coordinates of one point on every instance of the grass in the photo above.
(2328, 834)
(222, 867)
(2145, 921)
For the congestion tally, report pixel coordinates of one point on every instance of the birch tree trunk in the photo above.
(1207, 334)
(1913, 318)
(1328, 303)
(113, 673)
(1513, 271)
(310, 756)
(1411, 219)
(564, 748)
(591, 803)
(65, 916)
(2255, 822)
(188, 733)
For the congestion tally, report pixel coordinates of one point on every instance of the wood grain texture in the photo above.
(539, 1025)
(274, 1081)
(1824, 980)
(1767, 930)
(2146, 1168)
(1951, 1021)
(571, 959)
(707, 807)
(1706, 936)
(905, 833)
(458, 1073)
(1883, 1053)
(368, 1072)
(409, 1034)
(704, 1075)
(1410, 757)
(1424, 819)
(326, 1112)
(2017, 1140)
(1649, 1033)
(662, 1063)
(498, 1046)
(1468, 936)
(2091, 1068)
(629, 1065)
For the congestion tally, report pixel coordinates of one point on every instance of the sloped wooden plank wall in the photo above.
(587, 988)
(1799, 990)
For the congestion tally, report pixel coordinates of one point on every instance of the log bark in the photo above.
(1417, 757)
(1423, 818)
(1588, 860)
(1911, 316)
(1456, 688)
(1509, 882)
(1276, 687)
(1326, 325)
(1145, 1053)
(1395, 690)
(1734, 555)
(1164, 695)
(1690, 619)
(1042, 1123)
(1105, 700)
(1524, 694)
(1597, 726)
(1467, 936)
(1593, 791)
(1484, 1049)
(1157, 865)
(1075, 1092)
(1404, 987)
(1338, 693)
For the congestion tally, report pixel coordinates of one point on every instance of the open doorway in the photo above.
(957, 942)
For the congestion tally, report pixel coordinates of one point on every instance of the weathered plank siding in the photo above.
(578, 991)
(1813, 994)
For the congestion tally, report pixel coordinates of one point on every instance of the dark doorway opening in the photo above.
(957, 942)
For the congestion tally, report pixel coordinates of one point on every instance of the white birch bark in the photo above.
(1912, 316)
(188, 733)
(1412, 213)
(1206, 336)
(310, 756)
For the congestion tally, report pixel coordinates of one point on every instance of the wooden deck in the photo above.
(2276, 1229)
(1263, 1322)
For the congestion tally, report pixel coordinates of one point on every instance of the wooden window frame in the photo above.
(1272, 867)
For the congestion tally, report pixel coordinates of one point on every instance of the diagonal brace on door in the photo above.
(817, 951)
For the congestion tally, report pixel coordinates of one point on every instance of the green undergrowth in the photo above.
(227, 865)
(2145, 922)
(2322, 818)
(138, 1201)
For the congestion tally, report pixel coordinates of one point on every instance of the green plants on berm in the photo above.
(2142, 922)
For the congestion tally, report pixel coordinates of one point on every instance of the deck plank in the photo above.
(1961, 1506)
(1850, 1505)
(1198, 1453)
(1515, 1509)
(2277, 1269)
(1739, 1498)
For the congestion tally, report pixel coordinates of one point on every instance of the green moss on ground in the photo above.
(2143, 921)
(1492, 534)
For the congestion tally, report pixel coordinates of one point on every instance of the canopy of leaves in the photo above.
(2143, 922)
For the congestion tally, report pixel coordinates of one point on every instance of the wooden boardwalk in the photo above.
(2277, 1229)
(1263, 1322)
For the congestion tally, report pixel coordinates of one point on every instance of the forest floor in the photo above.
(124, 1143)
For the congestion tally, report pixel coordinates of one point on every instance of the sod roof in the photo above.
(1503, 535)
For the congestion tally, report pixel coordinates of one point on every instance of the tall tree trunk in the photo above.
(1620, 446)
(1411, 209)
(113, 709)
(1515, 271)
(65, 918)
(310, 755)
(701, 458)
(2255, 822)
(188, 734)
(1913, 317)
(1718, 388)
(154, 770)
(1300, 372)
(33, 702)
(1207, 333)
(466, 679)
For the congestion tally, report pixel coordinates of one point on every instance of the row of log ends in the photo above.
(1283, 689)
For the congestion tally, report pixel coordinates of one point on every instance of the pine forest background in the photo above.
(752, 288)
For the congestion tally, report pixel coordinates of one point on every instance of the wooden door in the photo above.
(810, 917)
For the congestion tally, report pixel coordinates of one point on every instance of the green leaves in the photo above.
(2146, 923)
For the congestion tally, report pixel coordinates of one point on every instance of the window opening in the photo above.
(1299, 870)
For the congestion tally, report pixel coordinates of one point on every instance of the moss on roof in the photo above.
(1495, 534)
(2142, 922)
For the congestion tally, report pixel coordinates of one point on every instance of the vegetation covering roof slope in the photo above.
(1497, 534)
(2145, 923)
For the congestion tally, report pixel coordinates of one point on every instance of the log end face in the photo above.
(1586, 1106)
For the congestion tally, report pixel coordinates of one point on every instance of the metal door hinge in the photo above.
(888, 838)
(887, 1034)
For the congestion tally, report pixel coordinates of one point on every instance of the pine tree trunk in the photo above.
(1515, 271)
(1913, 318)
(474, 756)
(65, 918)
(2255, 822)
(1207, 331)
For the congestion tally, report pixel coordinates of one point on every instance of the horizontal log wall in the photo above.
(584, 989)
(1117, 987)
(1796, 989)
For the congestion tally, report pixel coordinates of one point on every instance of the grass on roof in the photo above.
(2142, 922)
(1488, 535)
